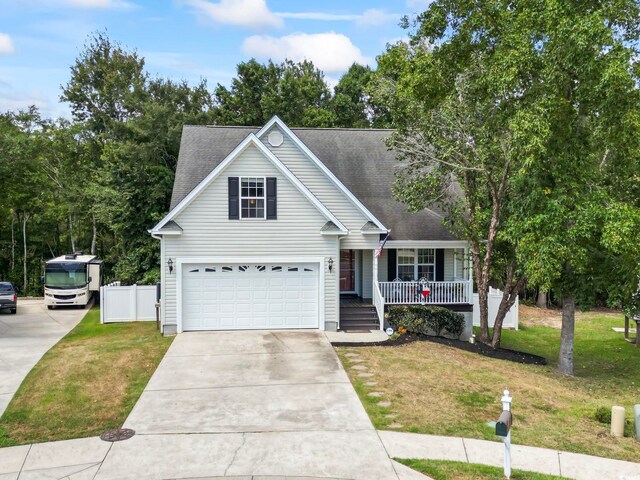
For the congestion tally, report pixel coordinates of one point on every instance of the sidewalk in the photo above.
(82, 459)
(89, 459)
(541, 460)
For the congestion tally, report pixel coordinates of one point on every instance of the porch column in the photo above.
(375, 271)
(468, 265)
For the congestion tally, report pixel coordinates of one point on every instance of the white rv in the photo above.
(71, 279)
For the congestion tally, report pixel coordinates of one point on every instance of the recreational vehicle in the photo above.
(71, 279)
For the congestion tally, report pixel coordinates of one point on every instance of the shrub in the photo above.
(603, 415)
(426, 320)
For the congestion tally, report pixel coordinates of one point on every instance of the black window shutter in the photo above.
(234, 198)
(439, 264)
(391, 263)
(272, 198)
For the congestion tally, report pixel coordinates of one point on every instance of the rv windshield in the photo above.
(65, 275)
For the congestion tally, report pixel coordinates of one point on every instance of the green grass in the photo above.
(86, 384)
(447, 470)
(441, 390)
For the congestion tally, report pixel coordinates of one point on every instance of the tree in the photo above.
(528, 93)
(106, 86)
(351, 102)
(585, 80)
(296, 92)
(457, 140)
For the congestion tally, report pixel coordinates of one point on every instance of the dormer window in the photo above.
(252, 197)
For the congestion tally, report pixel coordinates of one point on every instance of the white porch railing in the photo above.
(378, 302)
(442, 293)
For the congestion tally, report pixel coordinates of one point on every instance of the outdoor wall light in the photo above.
(330, 264)
(170, 265)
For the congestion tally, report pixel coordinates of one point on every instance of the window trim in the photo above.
(415, 262)
(263, 197)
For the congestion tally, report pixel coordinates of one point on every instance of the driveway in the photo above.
(25, 337)
(245, 404)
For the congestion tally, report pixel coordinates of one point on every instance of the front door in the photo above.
(347, 271)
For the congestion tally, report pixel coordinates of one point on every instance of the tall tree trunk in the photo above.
(25, 217)
(94, 237)
(565, 361)
(541, 301)
(73, 240)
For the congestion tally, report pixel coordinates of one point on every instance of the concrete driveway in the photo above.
(25, 337)
(245, 404)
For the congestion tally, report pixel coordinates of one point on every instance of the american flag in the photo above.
(381, 246)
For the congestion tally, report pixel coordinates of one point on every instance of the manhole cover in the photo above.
(117, 435)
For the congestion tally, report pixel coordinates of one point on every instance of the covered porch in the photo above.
(398, 276)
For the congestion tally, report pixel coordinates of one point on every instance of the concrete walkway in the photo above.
(25, 337)
(541, 460)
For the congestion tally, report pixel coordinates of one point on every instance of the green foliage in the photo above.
(603, 415)
(426, 320)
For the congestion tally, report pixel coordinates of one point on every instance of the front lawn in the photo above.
(86, 384)
(441, 390)
(446, 470)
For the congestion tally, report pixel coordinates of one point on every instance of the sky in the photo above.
(187, 39)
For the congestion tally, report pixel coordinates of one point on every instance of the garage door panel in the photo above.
(250, 296)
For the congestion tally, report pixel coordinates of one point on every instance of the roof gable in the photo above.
(322, 167)
(250, 139)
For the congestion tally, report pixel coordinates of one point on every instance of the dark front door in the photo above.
(347, 270)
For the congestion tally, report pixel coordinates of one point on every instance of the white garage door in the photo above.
(252, 296)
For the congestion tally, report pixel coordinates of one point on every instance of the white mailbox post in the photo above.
(503, 430)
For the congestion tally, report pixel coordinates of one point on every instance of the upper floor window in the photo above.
(252, 197)
(416, 263)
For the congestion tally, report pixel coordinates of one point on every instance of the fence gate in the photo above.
(134, 303)
(495, 297)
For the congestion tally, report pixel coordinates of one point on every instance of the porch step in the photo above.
(359, 318)
(358, 312)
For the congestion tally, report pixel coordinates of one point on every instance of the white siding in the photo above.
(207, 231)
(326, 191)
(448, 264)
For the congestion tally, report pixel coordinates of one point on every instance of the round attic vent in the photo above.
(275, 138)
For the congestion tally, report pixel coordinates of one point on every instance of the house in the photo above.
(277, 228)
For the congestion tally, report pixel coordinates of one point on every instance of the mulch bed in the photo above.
(478, 347)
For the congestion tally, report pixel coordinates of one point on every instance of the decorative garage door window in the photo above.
(250, 296)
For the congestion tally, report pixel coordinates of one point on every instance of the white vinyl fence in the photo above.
(495, 297)
(133, 303)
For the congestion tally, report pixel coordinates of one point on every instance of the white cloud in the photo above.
(330, 52)
(241, 13)
(369, 18)
(6, 44)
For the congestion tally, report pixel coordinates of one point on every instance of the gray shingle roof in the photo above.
(358, 157)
